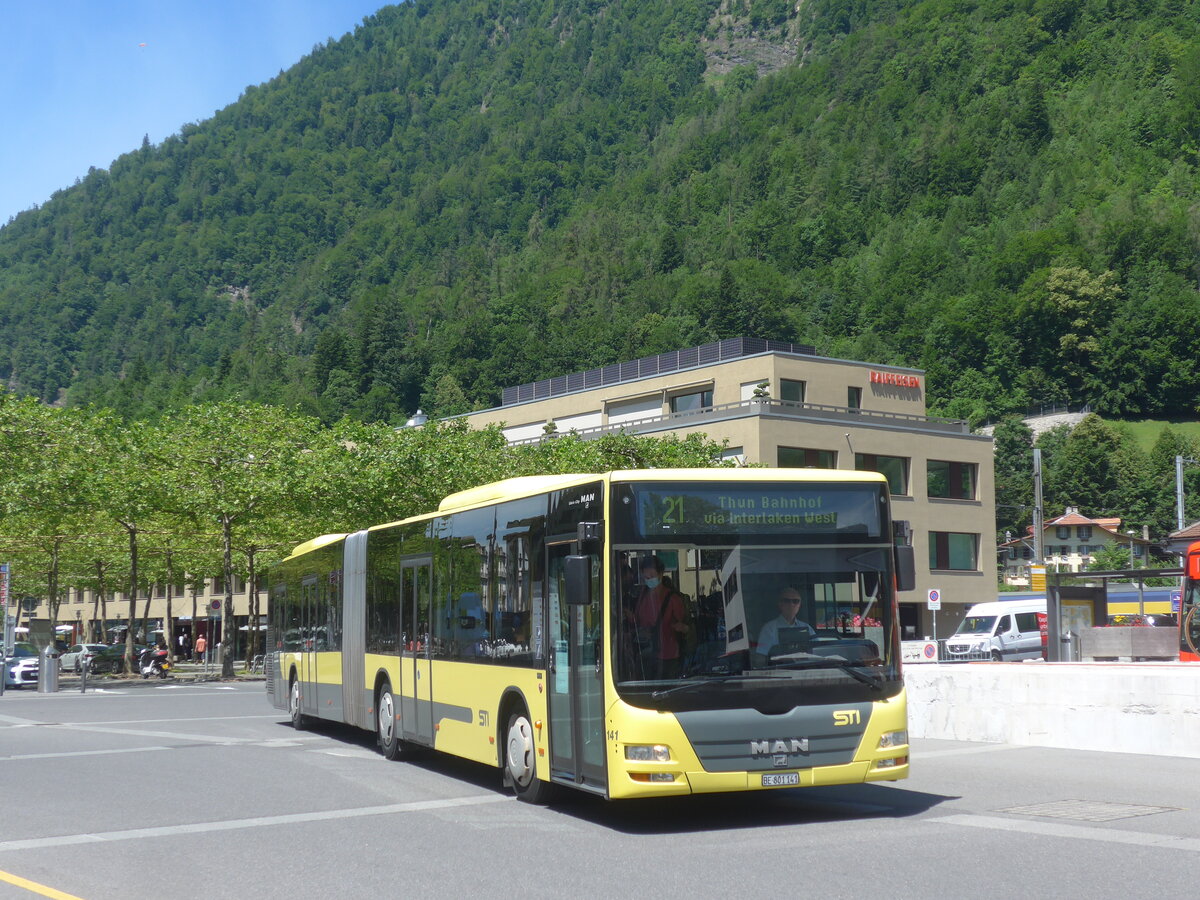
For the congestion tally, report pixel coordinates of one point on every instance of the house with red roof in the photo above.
(1069, 543)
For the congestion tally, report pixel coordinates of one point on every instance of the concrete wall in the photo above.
(1148, 708)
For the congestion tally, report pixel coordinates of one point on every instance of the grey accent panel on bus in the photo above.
(735, 740)
(441, 712)
(329, 702)
(354, 634)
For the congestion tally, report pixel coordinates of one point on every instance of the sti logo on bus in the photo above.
(767, 748)
(846, 717)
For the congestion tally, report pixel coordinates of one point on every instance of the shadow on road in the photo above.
(680, 815)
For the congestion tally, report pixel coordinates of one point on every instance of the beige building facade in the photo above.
(782, 405)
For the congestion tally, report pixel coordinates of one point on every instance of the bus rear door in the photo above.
(416, 688)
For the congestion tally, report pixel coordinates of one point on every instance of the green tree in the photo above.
(240, 462)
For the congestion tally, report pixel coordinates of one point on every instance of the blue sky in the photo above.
(77, 89)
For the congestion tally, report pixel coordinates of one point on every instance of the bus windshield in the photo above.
(751, 605)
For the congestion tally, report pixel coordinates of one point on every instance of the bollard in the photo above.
(48, 670)
(84, 665)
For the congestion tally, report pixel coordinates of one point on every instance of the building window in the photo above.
(951, 480)
(953, 550)
(1062, 532)
(737, 454)
(801, 458)
(894, 468)
(854, 397)
(1026, 553)
(1084, 532)
(692, 402)
(792, 391)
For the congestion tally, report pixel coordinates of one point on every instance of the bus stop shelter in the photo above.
(1077, 604)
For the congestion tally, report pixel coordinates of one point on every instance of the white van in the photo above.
(1004, 629)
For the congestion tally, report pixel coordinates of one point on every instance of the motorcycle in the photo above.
(154, 661)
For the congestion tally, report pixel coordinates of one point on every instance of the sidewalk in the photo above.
(183, 672)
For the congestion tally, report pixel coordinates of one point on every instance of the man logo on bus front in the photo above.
(779, 749)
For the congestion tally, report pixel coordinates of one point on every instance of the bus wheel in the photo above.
(299, 719)
(386, 735)
(520, 757)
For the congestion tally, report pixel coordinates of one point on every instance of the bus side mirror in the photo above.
(906, 568)
(578, 571)
(1193, 566)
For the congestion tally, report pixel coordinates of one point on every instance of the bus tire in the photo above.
(520, 760)
(387, 735)
(299, 719)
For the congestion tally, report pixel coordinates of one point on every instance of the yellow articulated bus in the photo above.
(630, 634)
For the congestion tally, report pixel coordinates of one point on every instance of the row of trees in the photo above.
(91, 502)
(1099, 467)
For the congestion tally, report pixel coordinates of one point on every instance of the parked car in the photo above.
(21, 666)
(77, 654)
(112, 658)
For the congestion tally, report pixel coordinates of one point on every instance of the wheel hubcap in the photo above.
(387, 717)
(295, 698)
(520, 751)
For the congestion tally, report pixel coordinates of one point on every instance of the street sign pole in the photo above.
(934, 602)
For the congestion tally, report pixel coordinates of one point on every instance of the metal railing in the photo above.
(786, 409)
(660, 364)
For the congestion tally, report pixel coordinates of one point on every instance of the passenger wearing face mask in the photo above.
(659, 615)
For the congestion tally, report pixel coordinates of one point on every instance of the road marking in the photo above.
(82, 753)
(918, 755)
(135, 834)
(35, 887)
(173, 735)
(1080, 832)
(19, 723)
(277, 716)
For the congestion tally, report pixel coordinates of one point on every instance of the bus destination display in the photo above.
(765, 509)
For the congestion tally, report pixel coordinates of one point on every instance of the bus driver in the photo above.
(789, 617)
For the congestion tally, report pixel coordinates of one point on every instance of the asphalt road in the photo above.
(203, 791)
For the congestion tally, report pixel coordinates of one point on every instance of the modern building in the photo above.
(1069, 543)
(780, 404)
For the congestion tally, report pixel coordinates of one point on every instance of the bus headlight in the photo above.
(893, 739)
(648, 752)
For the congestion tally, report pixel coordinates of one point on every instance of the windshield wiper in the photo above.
(654, 695)
(851, 669)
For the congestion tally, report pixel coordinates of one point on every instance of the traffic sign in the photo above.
(215, 605)
(935, 599)
(1176, 597)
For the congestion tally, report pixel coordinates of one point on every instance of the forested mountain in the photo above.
(464, 194)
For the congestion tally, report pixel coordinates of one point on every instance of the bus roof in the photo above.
(741, 474)
(529, 485)
(315, 544)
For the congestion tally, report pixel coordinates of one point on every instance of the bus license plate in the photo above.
(781, 779)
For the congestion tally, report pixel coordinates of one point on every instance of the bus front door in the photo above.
(416, 700)
(576, 677)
